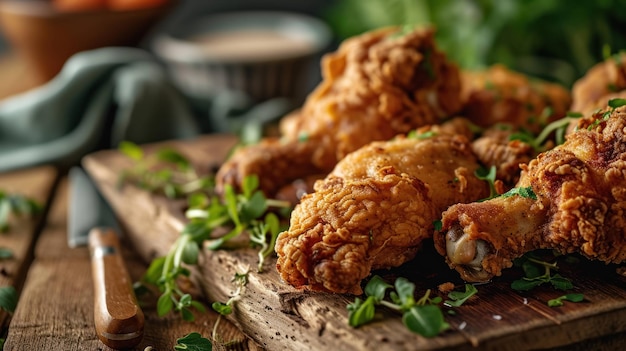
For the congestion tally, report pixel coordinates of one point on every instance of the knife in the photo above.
(119, 321)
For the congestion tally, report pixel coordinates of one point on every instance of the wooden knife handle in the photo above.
(118, 319)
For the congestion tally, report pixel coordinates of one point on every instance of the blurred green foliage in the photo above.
(556, 40)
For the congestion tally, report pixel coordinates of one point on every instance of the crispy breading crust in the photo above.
(375, 86)
(374, 210)
(581, 198)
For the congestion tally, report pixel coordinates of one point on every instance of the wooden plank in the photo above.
(35, 183)
(278, 316)
(56, 307)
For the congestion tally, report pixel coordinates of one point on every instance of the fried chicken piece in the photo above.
(590, 92)
(580, 206)
(499, 95)
(494, 148)
(375, 86)
(375, 209)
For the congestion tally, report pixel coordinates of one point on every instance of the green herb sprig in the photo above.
(18, 205)
(568, 297)
(488, 175)
(538, 272)
(8, 299)
(177, 179)
(243, 213)
(240, 280)
(613, 104)
(422, 316)
(458, 298)
(193, 342)
(168, 172)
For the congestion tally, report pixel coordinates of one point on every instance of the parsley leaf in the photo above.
(568, 297)
(422, 316)
(458, 298)
(193, 342)
(538, 272)
(8, 298)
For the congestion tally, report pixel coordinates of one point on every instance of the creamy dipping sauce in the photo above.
(263, 43)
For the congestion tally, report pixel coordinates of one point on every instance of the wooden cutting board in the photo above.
(280, 317)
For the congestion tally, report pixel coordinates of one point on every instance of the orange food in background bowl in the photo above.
(79, 5)
(47, 33)
(134, 4)
(120, 5)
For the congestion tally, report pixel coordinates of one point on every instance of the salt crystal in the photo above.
(497, 317)
(462, 325)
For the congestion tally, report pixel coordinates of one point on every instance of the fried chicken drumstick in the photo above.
(580, 206)
(376, 86)
(375, 209)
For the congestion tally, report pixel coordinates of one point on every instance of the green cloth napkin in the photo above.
(100, 97)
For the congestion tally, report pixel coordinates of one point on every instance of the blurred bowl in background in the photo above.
(46, 36)
(263, 54)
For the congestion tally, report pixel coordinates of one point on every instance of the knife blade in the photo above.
(118, 319)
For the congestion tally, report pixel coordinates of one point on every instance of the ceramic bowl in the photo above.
(262, 54)
(47, 37)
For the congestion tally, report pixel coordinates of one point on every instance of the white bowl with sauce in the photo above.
(263, 54)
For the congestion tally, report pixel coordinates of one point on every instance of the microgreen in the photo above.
(526, 192)
(557, 127)
(413, 134)
(242, 212)
(568, 297)
(488, 175)
(458, 298)
(422, 316)
(8, 298)
(18, 205)
(177, 180)
(193, 342)
(168, 172)
(538, 272)
(240, 280)
(5, 253)
(613, 104)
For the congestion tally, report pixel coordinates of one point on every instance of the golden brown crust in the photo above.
(494, 148)
(374, 210)
(375, 87)
(589, 92)
(579, 207)
(499, 95)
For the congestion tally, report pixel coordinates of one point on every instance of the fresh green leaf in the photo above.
(560, 282)
(438, 225)
(405, 290)
(617, 102)
(524, 284)
(427, 320)
(526, 192)
(5, 253)
(131, 150)
(569, 297)
(458, 298)
(488, 175)
(361, 312)
(376, 288)
(193, 342)
(222, 308)
(165, 304)
(8, 298)
(174, 157)
(191, 252)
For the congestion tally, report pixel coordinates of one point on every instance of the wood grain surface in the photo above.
(37, 184)
(280, 317)
(55, 310)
